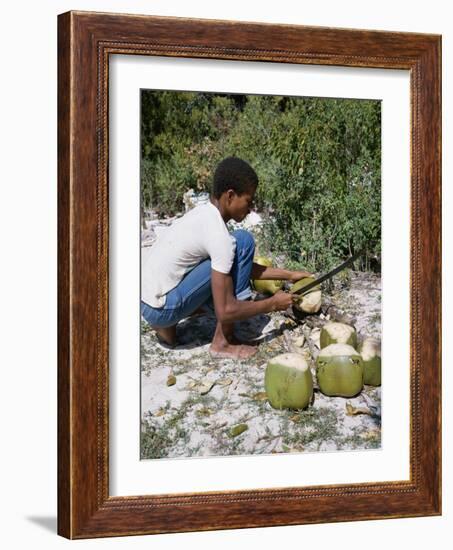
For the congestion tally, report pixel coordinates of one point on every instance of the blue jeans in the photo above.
(194, 290)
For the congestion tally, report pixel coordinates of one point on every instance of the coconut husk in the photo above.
(370, 351)
(288, 382)
(339, 371)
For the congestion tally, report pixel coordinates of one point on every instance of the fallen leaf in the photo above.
(206, 387)
(171, 380)
(224, 382)
(295, 418)
(203, 412)
(351, 411)
(159, 412)
(237, 430)
(372, 434)
(260, 396)
(191, 385)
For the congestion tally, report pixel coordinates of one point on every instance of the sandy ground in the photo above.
(194, 405)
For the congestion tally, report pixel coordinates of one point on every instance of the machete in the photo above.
(328, 275)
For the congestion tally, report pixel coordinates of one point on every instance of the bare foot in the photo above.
(225, 344)
(232, 351)
(166, 335)
(228, 335)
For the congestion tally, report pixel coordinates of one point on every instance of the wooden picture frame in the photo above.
(85, 41)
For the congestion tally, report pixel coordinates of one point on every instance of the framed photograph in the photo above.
(206, 168)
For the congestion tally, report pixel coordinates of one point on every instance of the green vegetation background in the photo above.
(318, 161)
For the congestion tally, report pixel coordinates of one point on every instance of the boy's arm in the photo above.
(228, 308)
(275, 273)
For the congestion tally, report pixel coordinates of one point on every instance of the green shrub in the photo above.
(318, 162)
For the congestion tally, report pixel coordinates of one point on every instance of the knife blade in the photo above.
(328, 275)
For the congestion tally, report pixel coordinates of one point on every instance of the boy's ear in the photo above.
(230, 194)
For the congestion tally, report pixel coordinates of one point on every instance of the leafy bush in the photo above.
(318, 162)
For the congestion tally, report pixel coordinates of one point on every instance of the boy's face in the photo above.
(240, 206)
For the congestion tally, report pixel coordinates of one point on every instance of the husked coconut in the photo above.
(370, 350)
(338, 333)
(288, 381)
(310, 302)
(338, 349)
(339, 370)
(266, 286)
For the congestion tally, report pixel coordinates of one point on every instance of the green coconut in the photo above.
(288, 382)
(370, 350)
(266, 286)
(310, 302)
(337, 333)
(339, 370)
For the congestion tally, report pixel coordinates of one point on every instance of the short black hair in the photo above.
(233, 173)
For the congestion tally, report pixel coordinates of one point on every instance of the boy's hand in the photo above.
(298, 275)
(281, 300)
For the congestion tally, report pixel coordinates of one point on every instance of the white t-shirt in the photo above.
(198, 235)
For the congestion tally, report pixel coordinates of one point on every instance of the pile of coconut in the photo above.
(342, 367)
(341, 370)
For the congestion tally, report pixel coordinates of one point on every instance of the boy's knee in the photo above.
(244, 239)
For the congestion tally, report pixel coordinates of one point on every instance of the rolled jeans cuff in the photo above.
(244, 294)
